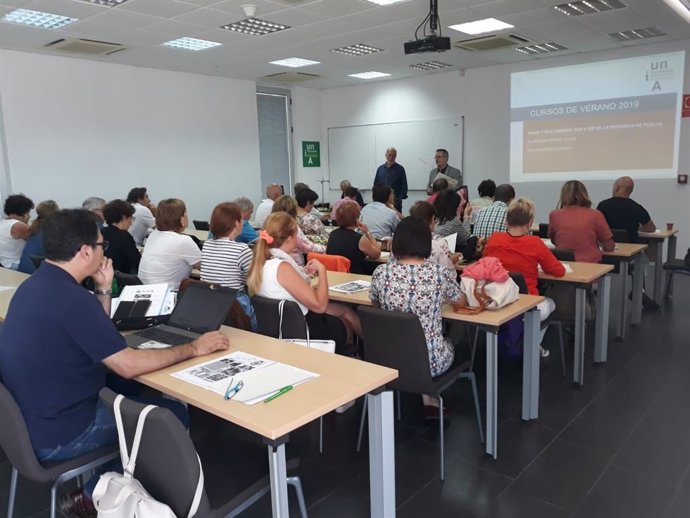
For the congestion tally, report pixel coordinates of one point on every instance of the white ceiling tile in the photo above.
(125, 19)
(503, 7)
(66, 8)
(163, 8)
(204, 16)
(203, 3)
(15, 3)
(264, 8)
(96, 31)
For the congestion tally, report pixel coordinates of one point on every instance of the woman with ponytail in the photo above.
(275, 274)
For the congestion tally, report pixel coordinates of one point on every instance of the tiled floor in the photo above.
(617, 447)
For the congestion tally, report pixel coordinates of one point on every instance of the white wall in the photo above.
(483, 97)
(77, 128)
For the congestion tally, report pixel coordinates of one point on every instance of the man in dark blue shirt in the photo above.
(58, 342)
(393, 174)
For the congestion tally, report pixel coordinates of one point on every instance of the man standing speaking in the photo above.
(393, 174)
(442, 167)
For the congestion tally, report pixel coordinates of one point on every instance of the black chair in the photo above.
(15, 441)
(201, 225)
(168, 466)
(543, 231)
(127, 279)
(672, 267)
(395, 339)
(620, 235)
(36, 260)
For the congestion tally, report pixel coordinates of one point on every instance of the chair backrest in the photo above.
(127, 279)
(620, 235)
(15, 440)
(333, 263)
(519, 279)
(36, 260)
(167, 464)
(563, 255)
(395, 339)
(200, 225)
(543, 230)
(268, 318)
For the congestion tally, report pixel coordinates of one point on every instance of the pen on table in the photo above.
(279, 393)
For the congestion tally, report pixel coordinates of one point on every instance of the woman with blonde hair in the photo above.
(34, 245)
(288, 204)
(275, 274)
(576, 226)
(169, 255)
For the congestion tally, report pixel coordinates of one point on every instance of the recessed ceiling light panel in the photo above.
(637, 34)
(386, 2)
(190, 44)
(429, 65)
(481, 26)
(369, 75)
(588, 7)
(255, 27)
(294, 62)
(37, 19)
(358, 49)
(106, 3)
(541, 48)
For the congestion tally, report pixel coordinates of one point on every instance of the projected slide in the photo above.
(597, 120)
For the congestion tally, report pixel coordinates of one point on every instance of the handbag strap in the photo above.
(129, 460)
(281, 305)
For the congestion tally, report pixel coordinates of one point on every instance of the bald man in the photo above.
(393, 174)
(622, 212)
(273, 191)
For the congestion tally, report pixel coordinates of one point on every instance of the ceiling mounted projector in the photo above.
(430, 42)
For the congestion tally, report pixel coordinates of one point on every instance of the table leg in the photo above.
(278, 475)
(491, 394)
(671, 254)
(637, 288)
(658, 273)
(579, 362)
(622, 319)
(530, 366)
(601, 326)
(381, 454)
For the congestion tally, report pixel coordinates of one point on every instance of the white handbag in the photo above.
(497, 294)
(121, 495)
(327, 346)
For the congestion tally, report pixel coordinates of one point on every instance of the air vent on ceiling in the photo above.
(541, 48)
(588, 7)
(497, 41)
(291, 77)
(82, 46)
(637, 34)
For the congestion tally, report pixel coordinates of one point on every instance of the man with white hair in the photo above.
(95, 205)
(273, 191)
(248, 235)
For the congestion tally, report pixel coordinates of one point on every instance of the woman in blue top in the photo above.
(34, 245)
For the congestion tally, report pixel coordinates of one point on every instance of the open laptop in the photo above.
(201, 309)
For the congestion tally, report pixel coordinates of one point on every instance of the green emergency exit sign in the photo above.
(311, 153)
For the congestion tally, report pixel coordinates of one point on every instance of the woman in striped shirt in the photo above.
(225, 261)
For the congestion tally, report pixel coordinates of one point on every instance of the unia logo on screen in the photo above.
(658, 71)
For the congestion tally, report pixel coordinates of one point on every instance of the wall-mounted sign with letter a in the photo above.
(311, 153)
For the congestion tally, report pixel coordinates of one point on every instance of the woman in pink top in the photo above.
(578, 227)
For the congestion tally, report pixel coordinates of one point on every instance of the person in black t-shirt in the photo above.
(122, 249)
(621, 212)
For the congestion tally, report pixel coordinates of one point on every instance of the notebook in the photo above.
(201, 309)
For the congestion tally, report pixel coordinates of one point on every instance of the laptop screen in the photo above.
(202, 309)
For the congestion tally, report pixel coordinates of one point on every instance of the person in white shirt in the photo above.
(169, 255)
(14, 229)
(144, 214)
(378, 216)
(273, 191)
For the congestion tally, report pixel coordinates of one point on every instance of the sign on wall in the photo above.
(311, 153)
(686, 105)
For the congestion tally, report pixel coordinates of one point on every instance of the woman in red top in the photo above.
(521, 252)
(576, 226)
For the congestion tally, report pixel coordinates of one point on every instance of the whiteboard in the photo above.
(354, 152)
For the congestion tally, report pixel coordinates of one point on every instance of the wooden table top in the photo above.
(660, 234)
(9, 279)
(341, 380)
(583, 273)
(201, 235)
(487, 318)
(626, 250)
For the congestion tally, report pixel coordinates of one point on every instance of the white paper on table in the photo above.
(452, 241)
(221, 370)
(549, 244)
(568, 268)
(156, 293)
(351, 287)
(385, 255)
(7, 288)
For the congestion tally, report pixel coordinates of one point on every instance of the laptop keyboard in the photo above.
(166, 337)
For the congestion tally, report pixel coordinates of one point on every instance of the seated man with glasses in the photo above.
(58, 342)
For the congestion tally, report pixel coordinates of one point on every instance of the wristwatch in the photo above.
(103, 292)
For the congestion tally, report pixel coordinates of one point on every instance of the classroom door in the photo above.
(274, 137)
